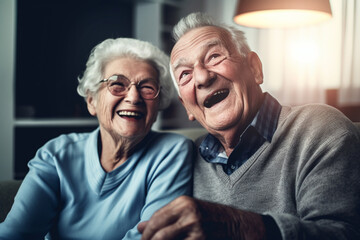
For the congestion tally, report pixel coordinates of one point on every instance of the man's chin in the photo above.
(220, 123)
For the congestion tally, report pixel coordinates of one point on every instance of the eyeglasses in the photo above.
(119, 85)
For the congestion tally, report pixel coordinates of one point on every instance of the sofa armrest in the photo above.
(8, 190)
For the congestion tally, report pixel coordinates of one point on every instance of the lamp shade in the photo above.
(281, 13)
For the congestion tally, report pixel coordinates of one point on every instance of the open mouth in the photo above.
(216, 97)
(136, 115)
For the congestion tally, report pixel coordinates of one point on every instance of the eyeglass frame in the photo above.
(136, 84)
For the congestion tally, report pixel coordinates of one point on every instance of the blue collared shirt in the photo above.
(261, 129)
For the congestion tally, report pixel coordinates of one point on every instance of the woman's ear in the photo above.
(190, 115)
(255, 67)
(91, 104)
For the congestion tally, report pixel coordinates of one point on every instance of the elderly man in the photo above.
(264, 171)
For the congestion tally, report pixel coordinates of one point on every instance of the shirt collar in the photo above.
(265, 123)
(266, 119)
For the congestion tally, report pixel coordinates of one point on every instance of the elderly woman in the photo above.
(100, 185)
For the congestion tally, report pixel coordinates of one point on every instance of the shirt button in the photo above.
(232, 167)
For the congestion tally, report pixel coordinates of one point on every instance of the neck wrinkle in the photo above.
(229, 138)
(115, 150)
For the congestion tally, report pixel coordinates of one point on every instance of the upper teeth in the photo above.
(219, 92)
(129, 113)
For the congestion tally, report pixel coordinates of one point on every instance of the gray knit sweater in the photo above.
(307, 178)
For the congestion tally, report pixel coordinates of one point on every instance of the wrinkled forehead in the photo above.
(198, 40)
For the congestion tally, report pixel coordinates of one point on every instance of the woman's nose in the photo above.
(133, 95)
(203, 77)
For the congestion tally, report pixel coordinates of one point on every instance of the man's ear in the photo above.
(91, 105)
(190, 116)
(255, 67)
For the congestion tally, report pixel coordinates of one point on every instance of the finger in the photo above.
(160, 219)
(141, 226)
(168, 215)
(170, 232)
(182, 229)
(156, 223)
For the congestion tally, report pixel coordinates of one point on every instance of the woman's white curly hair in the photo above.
(110, 49)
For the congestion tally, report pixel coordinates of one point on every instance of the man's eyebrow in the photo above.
(178, 63)
(183, 62)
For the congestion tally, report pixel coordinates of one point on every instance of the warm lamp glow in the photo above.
(304, 52)
(281, 13)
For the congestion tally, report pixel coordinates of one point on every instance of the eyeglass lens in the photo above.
(118, 85)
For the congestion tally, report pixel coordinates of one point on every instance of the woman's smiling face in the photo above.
(129, 115)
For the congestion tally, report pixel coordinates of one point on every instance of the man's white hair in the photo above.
(197, 20)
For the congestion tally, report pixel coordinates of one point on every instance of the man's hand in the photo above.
(189, 218)
(180, 219)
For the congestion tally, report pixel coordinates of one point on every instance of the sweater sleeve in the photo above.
(36, 203)
(327, 190)
(168, 179)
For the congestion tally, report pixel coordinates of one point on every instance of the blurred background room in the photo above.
(44, 46)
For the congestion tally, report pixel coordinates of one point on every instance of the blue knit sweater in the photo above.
(69, 195)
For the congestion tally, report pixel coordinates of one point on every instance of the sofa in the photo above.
(9, 188)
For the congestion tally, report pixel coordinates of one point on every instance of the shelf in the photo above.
(32, 134)
(56, 122)
(175, 3)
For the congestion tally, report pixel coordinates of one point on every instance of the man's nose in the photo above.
(133, 95)
(203, 77)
